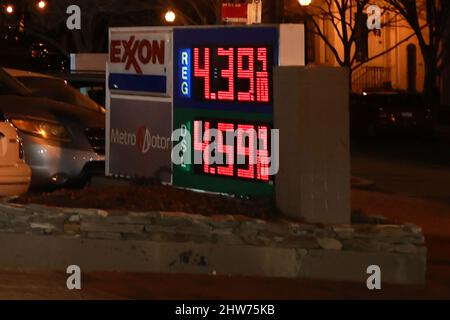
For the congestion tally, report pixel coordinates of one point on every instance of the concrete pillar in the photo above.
(311, 110)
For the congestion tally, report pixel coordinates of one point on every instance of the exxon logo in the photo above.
(137, 52)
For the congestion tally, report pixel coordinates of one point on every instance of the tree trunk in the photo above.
(269, 11)
(431, 88)
(350, 80)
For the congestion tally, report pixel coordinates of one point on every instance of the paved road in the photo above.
(416, 173)
(107, 285)
(411, 166)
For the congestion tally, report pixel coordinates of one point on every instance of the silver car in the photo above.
(63, 142)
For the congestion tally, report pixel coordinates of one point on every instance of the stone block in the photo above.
(110, 227)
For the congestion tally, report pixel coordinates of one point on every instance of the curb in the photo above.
(363, 184)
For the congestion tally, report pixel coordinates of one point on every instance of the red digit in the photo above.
(227, 150)
(227, 73)
(262, 162)
(262, 77)
(202, 72)
(201, 142)
(242, 150)
(246, 73)
(198, 136)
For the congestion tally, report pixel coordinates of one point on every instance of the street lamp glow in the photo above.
(170, 16)
(304, 2)
(9, 9)
(42, 4)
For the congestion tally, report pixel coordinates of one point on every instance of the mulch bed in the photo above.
(152, 198)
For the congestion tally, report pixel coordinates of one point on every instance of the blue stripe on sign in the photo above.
(135, 82)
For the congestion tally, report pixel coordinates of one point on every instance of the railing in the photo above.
(370, 78)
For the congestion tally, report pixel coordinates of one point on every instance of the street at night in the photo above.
(222, 157)
(405, 165)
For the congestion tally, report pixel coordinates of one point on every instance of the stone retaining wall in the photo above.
(179, 242)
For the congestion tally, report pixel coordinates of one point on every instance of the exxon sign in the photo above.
(140, 61)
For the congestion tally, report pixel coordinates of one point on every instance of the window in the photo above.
(58, 90)
(10, 86)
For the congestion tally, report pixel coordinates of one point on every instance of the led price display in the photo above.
(223, 82)
(242, 147)
(230, 74)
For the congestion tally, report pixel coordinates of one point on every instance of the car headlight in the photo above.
(42, 129)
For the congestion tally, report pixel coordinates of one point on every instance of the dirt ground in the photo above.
(152, 198)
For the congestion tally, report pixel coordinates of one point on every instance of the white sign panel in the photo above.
(140, 60)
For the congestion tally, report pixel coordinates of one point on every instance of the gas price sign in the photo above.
(223, 97)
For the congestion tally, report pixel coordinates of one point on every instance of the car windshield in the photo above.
(58, 90)
(10, 86)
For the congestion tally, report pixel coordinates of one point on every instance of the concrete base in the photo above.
(57, 253)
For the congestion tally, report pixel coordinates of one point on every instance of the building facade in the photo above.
(388, 57)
